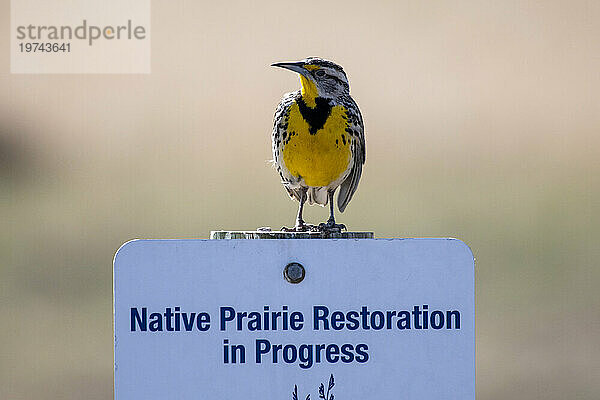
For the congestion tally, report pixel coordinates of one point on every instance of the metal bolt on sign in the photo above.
(294, 272)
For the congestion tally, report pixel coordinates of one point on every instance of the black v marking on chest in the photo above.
(317, 116)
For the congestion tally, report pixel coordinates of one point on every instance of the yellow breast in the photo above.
(319, 158)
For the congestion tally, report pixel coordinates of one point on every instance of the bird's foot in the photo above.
(301, 227)
(331, 227)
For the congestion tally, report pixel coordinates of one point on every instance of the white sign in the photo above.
(372, 319)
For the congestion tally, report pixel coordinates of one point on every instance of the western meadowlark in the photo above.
(318, 139)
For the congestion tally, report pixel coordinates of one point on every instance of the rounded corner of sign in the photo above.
(123, 248)
(466, 247)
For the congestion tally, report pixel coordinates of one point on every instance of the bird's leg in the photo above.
(330, 225)
(331, 220)
(301, 226)
(299, 220)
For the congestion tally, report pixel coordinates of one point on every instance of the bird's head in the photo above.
(319, 77)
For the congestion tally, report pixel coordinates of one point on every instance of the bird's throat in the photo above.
(309, 91)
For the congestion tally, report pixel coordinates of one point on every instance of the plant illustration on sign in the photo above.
(323, 394)
(295, 394)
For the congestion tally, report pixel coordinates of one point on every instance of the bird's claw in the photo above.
(331, 227)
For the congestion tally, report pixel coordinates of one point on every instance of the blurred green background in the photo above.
(482, 123)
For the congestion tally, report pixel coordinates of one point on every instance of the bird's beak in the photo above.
(292, 66)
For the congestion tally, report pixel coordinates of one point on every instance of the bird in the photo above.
(318, 140)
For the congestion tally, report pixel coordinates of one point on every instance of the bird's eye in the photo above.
(320, 73)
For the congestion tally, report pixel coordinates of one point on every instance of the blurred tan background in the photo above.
(482, 123)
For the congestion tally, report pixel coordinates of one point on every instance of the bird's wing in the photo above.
(357, 132)
(280, 126)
